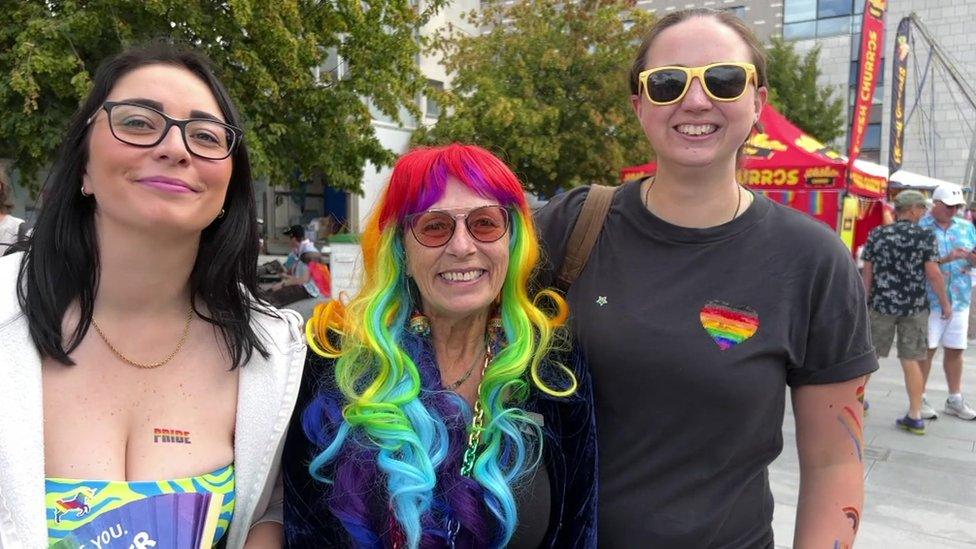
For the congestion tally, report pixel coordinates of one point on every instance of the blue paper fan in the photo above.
(171, 521)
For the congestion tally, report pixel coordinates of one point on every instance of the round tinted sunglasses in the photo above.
(435, 228)
(721, 81)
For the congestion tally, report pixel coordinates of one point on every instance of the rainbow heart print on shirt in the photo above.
(727, 324)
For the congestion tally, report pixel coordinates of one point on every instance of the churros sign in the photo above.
(872, 40)
(896, 135)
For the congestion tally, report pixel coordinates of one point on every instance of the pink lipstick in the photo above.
(166, 184)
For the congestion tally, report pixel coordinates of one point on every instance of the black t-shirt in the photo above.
(898, 253)
(691, 336)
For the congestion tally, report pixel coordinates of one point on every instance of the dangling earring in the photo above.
(496, 328)
(83, 193)
(419, 324)
(221, 214)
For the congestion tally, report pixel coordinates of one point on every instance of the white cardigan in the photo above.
(266, 396)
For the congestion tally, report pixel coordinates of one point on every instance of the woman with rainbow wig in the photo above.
(434, 411)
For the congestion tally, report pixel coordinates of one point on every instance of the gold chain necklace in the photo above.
(129, 361)
(474, 440)
(477, 422)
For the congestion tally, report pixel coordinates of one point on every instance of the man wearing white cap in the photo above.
(956, 239)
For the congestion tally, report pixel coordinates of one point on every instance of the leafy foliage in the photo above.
(794, 91)
(546, 87)
(297, 124)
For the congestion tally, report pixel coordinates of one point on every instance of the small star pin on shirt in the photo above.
(601, 301)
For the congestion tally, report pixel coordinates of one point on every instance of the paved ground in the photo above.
(920, 491)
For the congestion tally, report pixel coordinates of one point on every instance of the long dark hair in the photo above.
(61, 263)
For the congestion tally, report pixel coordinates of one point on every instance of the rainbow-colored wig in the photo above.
(392, 437)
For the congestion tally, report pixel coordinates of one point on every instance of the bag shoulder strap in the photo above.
(585, 233)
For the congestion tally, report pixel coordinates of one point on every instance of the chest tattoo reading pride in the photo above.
(171, 436)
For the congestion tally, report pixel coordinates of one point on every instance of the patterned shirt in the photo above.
(960, 234)
(898, 253)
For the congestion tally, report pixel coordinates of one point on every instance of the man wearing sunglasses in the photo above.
(956, 239)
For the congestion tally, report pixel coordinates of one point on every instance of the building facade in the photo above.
(765, 18)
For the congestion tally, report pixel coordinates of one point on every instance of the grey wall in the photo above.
(765, 18)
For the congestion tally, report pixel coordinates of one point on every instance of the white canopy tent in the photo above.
(904, 179)
(871, 168)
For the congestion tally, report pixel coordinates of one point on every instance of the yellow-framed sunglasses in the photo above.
(721, 81)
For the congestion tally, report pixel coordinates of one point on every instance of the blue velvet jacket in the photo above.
(569, 451)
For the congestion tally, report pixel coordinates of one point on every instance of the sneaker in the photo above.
(959, 409)
(916, 426)
(928, 412)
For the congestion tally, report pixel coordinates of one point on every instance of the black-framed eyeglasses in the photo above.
(435, 228)
(143, 126)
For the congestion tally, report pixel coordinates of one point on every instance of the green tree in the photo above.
(546, 87)
(794, 91)
(265, 51)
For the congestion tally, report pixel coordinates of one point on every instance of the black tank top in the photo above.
(534, 503)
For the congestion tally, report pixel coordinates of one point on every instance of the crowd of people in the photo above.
(917, 275)
(459, 399)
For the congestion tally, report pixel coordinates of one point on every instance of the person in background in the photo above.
(320, 274)
(956, 239)
(299, 286)
(701, 303)
(9, 225)
(898, 259)
(299, 246)
(971, 331)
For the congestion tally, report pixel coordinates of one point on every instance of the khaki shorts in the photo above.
(912, 334)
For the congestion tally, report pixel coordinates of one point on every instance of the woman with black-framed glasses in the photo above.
(140, 374)
(700, 304)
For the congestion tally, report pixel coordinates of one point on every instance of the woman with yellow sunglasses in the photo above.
(700, 304)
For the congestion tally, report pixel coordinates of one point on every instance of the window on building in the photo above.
(738, 11)
(834, 26)
(856, 66)
(872, 138)
(433, 108)
(799, 10)
(332, 69)
(378, 115)
(403, 118)
(800, 31)
(817, 18)
(833, 8)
